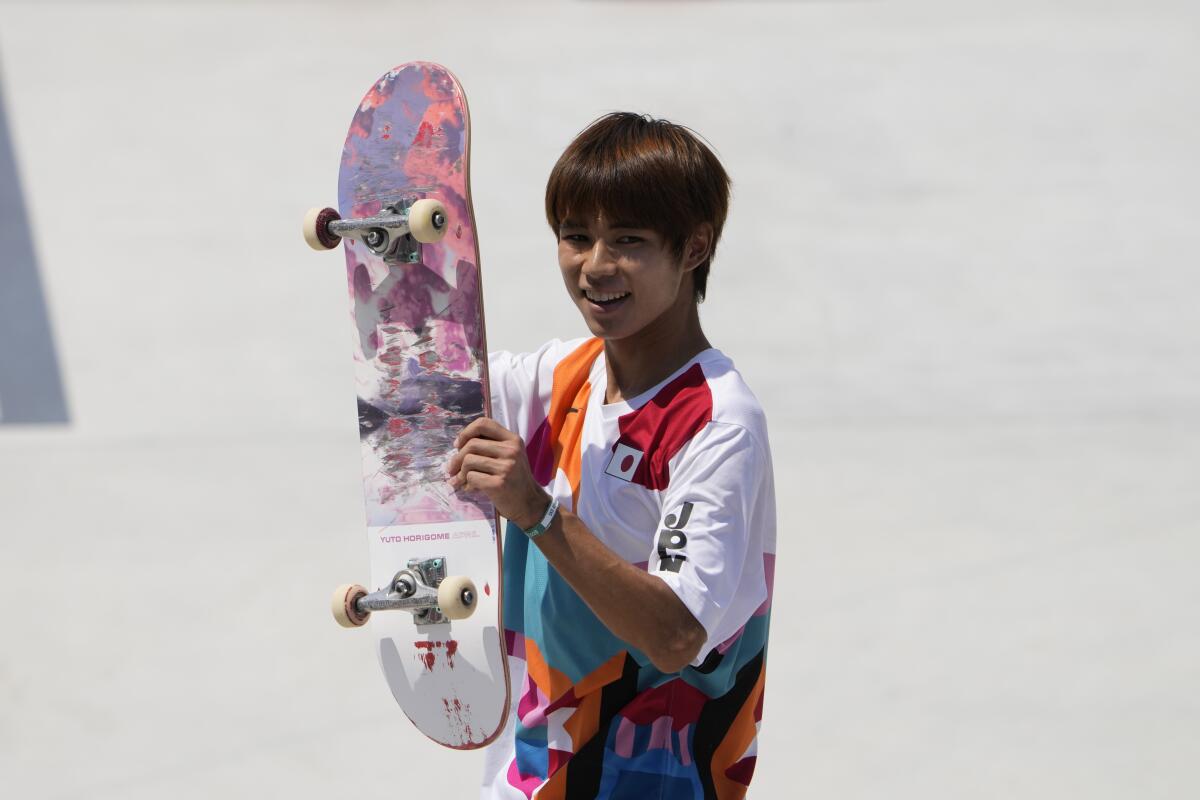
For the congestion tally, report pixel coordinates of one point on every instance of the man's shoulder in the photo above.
(703, 412)
(547, 356)
(733, 402)
(522, 371)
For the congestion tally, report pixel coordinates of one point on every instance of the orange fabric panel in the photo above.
(602, 675)
(741, 733)
(584, 722)
(568, 403)
(551, 682)
(581, 726)
(555, 787)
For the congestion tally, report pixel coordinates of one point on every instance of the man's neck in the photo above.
(639, 362)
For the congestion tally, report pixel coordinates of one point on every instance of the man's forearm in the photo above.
(636, 606)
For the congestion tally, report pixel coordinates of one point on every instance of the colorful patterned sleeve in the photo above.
(519, 385)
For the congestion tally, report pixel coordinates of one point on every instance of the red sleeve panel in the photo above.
(661, 427)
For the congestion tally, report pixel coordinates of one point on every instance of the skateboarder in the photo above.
(634, 470)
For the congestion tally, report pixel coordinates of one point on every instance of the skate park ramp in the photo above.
(959, 272)
(31, 389)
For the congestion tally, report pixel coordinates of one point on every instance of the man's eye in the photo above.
(630, 240)
(573, 237)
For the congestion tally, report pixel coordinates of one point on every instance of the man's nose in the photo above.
(600, 260)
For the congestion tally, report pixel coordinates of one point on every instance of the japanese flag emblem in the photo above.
(624, 462)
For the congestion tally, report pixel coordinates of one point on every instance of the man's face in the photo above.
(621, 276)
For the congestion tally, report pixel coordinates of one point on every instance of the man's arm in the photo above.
(636, 606)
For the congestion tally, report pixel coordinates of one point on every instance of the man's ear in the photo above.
(698, 247)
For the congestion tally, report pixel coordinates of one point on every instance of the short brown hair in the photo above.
(635, 167)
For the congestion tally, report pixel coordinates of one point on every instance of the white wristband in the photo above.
(544, 523)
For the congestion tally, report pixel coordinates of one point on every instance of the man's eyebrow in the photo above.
(626, 224)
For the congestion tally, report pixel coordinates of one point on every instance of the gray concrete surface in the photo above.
(960, 271)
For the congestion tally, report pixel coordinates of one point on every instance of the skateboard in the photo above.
(420, 363)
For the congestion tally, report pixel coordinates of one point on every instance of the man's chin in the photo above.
(597, 327)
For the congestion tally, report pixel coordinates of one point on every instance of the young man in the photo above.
(634, 470)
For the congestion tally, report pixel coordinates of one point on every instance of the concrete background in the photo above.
(960, 271)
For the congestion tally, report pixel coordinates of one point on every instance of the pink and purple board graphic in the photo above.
(421, 372)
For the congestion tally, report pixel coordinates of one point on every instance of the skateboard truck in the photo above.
(395, 234)
(423, 588)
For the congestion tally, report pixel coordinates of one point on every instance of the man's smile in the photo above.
(604, 298)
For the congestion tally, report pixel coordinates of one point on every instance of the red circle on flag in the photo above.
(627, 463)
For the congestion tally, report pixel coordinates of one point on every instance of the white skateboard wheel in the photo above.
(342, 604)
(427, 221)
(316, 228)
(457, 596)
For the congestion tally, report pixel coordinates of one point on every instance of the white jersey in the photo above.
(677, 480)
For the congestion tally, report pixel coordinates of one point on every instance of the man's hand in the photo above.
(491, 459)
(636, 606)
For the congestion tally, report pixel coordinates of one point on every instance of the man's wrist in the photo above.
(534, 510)
(542, 523)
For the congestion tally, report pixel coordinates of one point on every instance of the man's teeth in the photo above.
(604, 297)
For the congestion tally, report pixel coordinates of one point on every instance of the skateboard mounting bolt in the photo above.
(404, 585)
(374, 237)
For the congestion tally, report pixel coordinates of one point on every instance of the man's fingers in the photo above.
(489, 459)
(473, 462)
(486, 447)
(472, 431)
(484, 428)
(475, 481)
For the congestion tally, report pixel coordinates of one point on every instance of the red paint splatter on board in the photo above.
(392, 356)
(399, 427)
(386, 133)
(424, 136)
(457, 714)
(427, 658)
(487, 589)
(398, 461)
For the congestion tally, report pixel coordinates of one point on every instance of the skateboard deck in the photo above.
(420, 364)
